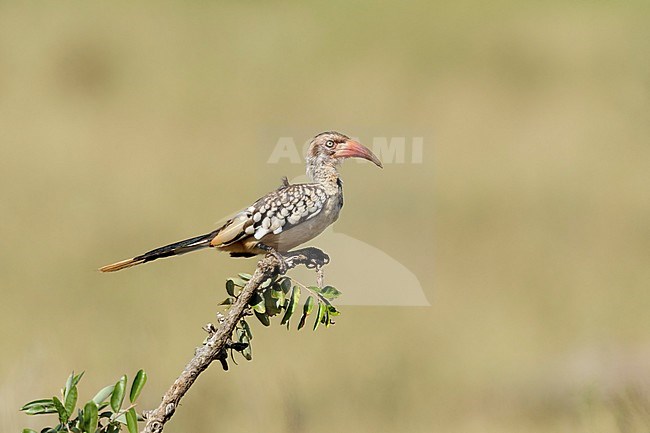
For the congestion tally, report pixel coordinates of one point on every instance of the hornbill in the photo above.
(282, 219)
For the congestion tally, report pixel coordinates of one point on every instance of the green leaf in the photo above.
(266, 283)
(63, 415)
(132, 420)
(71, 400)
(40, 410)
(285, 285)
(240, 334)
(331, 309)
(90, 418)
(39, 402)
(295, 297)
(138, 384)
(243, 337)
(325, 293)
(117, 397)
(245, 276)
(306, 311)
(309, 306)
(330, 292)
(68, 385)
(103, 394)
(247, 329)
(227, 301)
(263, 318)
(278, 295)
(238, 282)
(303, 319)
(230, 287)
(28, 430)
(39, 407)
(259, 308)
(271, 303)
(77, 378)
(326, 317)
(248, 352)
(319, 315)
(257, 303)
(71, 383)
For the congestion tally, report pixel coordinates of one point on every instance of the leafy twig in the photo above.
(219, 340)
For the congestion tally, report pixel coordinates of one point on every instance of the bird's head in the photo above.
(333, 147)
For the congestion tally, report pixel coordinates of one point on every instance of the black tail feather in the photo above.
(177, 248)
(174, 249)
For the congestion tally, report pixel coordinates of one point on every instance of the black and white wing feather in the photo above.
(274, 213)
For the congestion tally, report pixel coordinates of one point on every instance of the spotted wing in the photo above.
(274, 213)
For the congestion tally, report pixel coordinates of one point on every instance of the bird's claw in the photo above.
(283, 266)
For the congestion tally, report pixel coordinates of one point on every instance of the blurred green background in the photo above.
(127, 125)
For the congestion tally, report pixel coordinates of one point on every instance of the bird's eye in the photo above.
(329, 143)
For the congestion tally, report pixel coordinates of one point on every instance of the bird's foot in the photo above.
(283, 266)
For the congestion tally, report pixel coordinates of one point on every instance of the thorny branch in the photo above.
(219, 340)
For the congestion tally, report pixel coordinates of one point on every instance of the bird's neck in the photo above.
(323, 172)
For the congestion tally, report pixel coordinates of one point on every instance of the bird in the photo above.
(282, 219)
